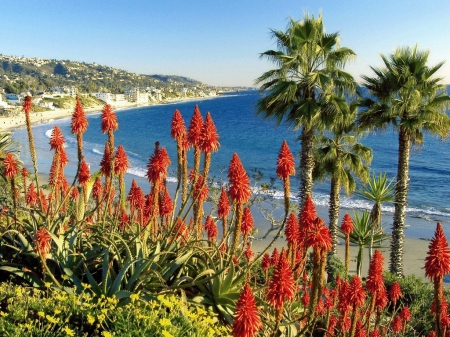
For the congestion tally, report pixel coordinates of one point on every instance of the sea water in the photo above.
(257, 142)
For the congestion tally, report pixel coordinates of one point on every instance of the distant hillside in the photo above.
(20, 74)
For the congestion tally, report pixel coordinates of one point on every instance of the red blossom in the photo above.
(239, 190)
(375, 278)
(405, 314)
(308, 214)
(158, 165)
(136, 196)
(381, 300)
(24, 172)
(292, 230)
(42, 241)
(248, 252)
(121, 161)
(360, 330)
(375, 333)
(285, 162)
(319, 235)
(247, 321)
(178, 130)
(397, 324)
(97, 189)
(201, 189)
(265, 262)
(26, 105)
(32, 197)
(195, 128)
(75, 193)
(79, 120)
(124, 220)
(105, 164)
(247, 222)
(84, 174)
(181, 230)
(165, 204)
(437, 262)
(10, 166)
(347, 224)
(43, 201)
(356, 294)
(211, 228)
(223, 208)
(209, 137)
(57, 139)
(109, 119)
(275, 258)
(282, 287)
(395, 293)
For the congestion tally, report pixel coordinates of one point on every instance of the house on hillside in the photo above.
(13, 99)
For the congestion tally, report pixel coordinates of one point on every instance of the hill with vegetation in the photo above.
(21, 74)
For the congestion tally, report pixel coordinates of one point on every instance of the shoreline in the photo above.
(9, 124)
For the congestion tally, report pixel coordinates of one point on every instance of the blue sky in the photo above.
(216, 42)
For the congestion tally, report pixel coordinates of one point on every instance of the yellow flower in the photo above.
(90, 319)
(106, 334)
(134, 297)
(69, 331)
(101, 318)
(86, 285)
(48, 284)
(166, 333)
(57, 312)
(165, 322)
(3, 314)
(41, 314)
(52, 319)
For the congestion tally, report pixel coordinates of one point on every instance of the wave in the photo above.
(142, 173)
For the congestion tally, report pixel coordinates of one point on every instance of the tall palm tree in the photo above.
(302, 90)
(341, 158)
(405, 94)
(378, 190)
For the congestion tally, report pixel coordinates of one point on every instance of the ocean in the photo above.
(256, 141)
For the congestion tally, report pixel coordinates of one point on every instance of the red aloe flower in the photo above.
(24, 172)
(285, 163)
(97, 189)
(32, 196)
(109, 119)
(432, 334)
(211, 228)
(84, 174)
(347, 224)
(75, 193)
(356, 294)
(10, 166)
(375, 278)
(247, 222)
(79, 120)
(239, 190)
(124, 220)
(248, 252)
(195, 127)
(319, 236)
(292, 230)
(43, 201)
(136, 196)
(42, 241)
(57, 139)
(375, 333)
(201, 190)
(166, 204)
(360, 330)
(223, 208)
(381, 300)
(275, 258)
(282, 286)
(208, 137)
(181, 231)
(105, 164)
(26, 105)
(121, 161)
(405, 314)
(308, 214)
(397, 324)
(395, 293)
(178, 130)
(158, 164)
(437, 262)
(247, 321)
(265, 262)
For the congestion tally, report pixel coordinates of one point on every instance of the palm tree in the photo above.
(378, 190)
(342, 158)
(405, 94)
(302, 91)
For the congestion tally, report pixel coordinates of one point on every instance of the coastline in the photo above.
(9, 124)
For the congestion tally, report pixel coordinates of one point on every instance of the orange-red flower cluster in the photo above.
(282, 287)
(195, 128)
(239, 190)
(42, 242)
(211, 228)
(209, 138)
(10, 166)
(84, 174)
(32, 197)
(158, 165)
(223, 208)
(121, 164)
(285, 163)
(178, 130)
(247, 222)
(109, 119)
(26, 105)
(347, 224)
(292, 230)
(79, 120)
(375, 278)
(247, 322)
(437, 263)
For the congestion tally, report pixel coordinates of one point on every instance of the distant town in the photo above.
(54, 84)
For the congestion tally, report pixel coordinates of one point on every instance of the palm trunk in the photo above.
(333, 210)
(401, 193)
(306, 164)
(375, 222)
